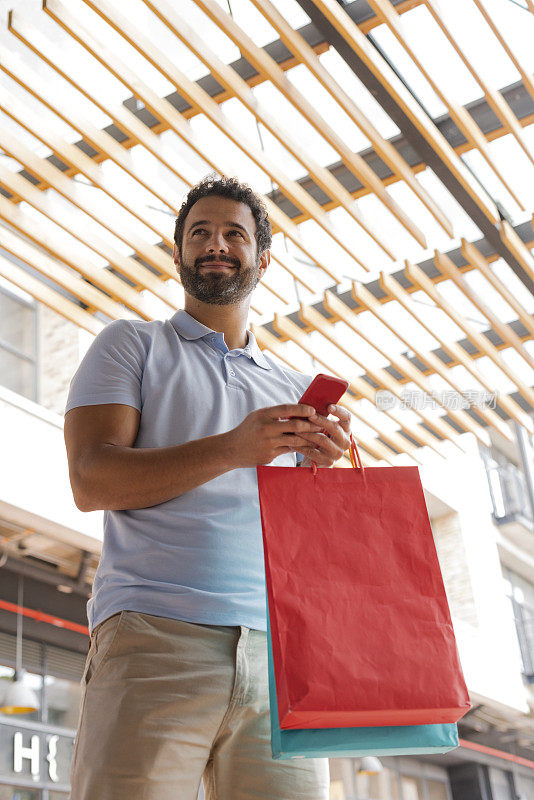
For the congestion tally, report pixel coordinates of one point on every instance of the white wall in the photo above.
(34, 480)
(484, 626)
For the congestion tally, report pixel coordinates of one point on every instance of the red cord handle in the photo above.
(355, 459)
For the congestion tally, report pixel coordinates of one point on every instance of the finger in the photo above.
(293, 426)
(289, 441)
(325, 445)
(334, 430)
(343, 415)
(320, 459)
(289, 410)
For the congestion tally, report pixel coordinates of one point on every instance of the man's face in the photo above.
(220, 264)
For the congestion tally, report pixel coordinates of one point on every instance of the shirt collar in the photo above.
(190, 328)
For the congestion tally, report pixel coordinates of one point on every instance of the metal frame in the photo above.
(414, 137)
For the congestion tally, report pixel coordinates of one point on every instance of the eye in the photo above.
(199, 230)
(236, 231)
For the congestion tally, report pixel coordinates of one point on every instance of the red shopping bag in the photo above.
(361, 629)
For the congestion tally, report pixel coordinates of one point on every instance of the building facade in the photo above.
(480, 501)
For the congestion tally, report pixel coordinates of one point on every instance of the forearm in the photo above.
(120, 478)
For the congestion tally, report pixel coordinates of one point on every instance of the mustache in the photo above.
(234, 262)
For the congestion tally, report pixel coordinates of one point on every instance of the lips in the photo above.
(216, 265)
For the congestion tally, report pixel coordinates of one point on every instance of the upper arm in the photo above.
(104, 402)
(87, 428)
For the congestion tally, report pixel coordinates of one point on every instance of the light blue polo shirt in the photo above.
(197, 557)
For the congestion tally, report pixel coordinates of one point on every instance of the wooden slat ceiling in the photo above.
(365, 238)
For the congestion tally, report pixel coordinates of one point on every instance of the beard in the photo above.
(219, 288)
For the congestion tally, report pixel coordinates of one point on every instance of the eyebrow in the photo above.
(207, 222)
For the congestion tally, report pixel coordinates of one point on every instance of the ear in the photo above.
(176, 255)
(265, 260)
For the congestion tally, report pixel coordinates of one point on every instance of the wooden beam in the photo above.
(459, 114)
(481, 342)
(240, 89)
(384, 75)
(21, 29)
(335, 306)
(446, 267)
(267, 66)
(357, 386)
(99, 139)
(49, 297)
(395, 292)
(24, 31)
(164, 110)
(373, 446)
(524, 71)
(85, 165)
(295, 42)
(475, 259)
(54, 177)
(71, 224)
(517, 247)
(441, 429)
(136, 131)
(46, 239)
(59, 273)
(494, 98)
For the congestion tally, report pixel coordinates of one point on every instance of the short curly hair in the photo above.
(235, 190)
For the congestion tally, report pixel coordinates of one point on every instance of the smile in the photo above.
(216, 265)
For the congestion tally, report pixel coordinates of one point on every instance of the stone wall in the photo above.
(454, 567)
(59, 356)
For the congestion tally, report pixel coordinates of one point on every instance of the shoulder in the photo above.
(112, 368)
(300, 380)
(131, 334)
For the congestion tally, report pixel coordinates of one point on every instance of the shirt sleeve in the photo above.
(111, 370)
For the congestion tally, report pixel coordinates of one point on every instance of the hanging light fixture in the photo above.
(370, 765)
(19, 698)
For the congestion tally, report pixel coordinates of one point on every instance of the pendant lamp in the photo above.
(19, 698)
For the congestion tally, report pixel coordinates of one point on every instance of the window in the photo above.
(62, 701)
(391, 783)
(18, 344)
(507, 485)
(501, 784)
(521, 595)
(53, 673)
(412, 788)
(436, 790)
(16, 793)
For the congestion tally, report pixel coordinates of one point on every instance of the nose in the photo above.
(217, 243)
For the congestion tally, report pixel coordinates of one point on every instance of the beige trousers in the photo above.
(166, 703)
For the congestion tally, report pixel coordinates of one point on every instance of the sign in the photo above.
(35, 754)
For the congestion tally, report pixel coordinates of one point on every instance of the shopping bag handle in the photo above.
(354, 453)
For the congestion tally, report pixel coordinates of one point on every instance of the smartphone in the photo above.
(322, 392)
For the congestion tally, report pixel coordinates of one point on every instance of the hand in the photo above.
(268, 432)
(327, 446)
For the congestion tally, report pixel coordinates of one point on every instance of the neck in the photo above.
(231, 320)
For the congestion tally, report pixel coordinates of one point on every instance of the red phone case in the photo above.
(323, 391)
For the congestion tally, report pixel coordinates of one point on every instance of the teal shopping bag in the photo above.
(345, 742)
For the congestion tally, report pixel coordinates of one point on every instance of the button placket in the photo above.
(229, 367)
